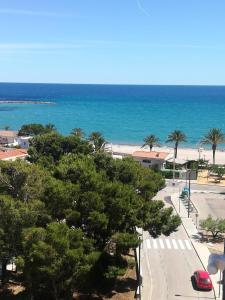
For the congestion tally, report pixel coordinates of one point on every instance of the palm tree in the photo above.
(214, 137)
(176, 136)
(6, 127)
(98, 140)
(151, 141)
(50, 127)
(78, 132)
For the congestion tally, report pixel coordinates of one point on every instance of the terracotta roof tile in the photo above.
(152, 154)
(8, 133)
(13, 153)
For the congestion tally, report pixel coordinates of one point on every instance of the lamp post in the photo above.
(174, 168)
(224, 274)
(189, 191)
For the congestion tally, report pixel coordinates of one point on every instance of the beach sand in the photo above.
(183, 153)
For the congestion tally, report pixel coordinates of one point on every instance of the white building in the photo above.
(8, 137)
(11, 138)
(152, 159)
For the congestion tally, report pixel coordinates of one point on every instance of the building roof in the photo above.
(151, 155)
(12, 154)
(179, 161)
(8, 133)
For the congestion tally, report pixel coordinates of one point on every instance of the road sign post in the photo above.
(224, 275)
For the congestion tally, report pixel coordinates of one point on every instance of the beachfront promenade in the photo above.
(183, 153)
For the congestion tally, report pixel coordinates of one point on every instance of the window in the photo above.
(146, 161)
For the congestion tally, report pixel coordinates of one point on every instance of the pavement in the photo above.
(201, 249)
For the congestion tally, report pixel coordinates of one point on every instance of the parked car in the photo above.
(202, 280)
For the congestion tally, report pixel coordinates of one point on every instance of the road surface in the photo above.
(167, 266)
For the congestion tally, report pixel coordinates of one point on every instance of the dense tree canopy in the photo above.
(35, 129)
(68, 206)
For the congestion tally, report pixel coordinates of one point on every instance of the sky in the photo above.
(113, 41)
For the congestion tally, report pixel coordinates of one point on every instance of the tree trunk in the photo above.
(150, 147)
(175, 150)
(4, 264)
(214, 153)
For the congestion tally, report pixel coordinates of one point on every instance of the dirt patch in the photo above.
(215, 247)
(125, 287)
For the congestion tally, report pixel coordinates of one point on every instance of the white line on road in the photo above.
(168, 244)
(155, 246)
(161, 244)
(148, 244)
(188, 245)
(174, 244)
(181, 244)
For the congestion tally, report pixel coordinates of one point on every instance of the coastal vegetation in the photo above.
(177, 136)
(214, 137)
(35, 129)
(150, 141)
(216, 227)
(69, 215)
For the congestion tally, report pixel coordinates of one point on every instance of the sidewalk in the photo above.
(200, 248)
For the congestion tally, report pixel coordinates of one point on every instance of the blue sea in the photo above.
(122, 113)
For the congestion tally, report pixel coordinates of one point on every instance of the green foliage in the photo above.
(218, 170)
(54, 260)
(78, 132)
(60, 213)
(214, 137)
(159, 220)
(151, 141)
(21, 180)
(98, 140)
(214, 226)
(50, 147)
(177, 137)
(35, 129)
(169, 174)
(125, 241)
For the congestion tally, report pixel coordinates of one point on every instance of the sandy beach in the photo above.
(183, 153)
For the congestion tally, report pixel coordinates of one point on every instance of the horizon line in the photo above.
(127, 84)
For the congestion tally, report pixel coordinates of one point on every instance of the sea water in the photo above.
(122, 113)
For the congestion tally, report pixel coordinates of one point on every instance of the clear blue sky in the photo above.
(113, 41)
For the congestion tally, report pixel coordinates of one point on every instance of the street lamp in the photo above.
(174, 168)
(189, 191)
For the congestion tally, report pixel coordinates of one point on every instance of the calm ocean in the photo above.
(123, 113)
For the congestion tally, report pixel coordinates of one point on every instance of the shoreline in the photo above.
(182, 153)
(25, 102)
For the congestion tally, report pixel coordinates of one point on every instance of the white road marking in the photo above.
(174, 244)
(168, 244)
(188, 245)
(181, 244)
(155, 246)
(148, 244)
(161, 244)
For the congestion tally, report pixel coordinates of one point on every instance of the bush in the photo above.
(214, 226)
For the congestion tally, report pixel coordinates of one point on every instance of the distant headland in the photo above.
(25, 102)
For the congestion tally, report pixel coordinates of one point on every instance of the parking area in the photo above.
(209, 203)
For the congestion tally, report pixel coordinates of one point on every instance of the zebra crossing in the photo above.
(171, 244)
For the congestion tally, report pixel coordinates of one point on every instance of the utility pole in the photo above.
(189, 192)
(174, 168)
(224, 274)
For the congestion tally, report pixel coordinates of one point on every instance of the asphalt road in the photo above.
(167, 266)
(168, 263)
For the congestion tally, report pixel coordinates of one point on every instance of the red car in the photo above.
(203, 280)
